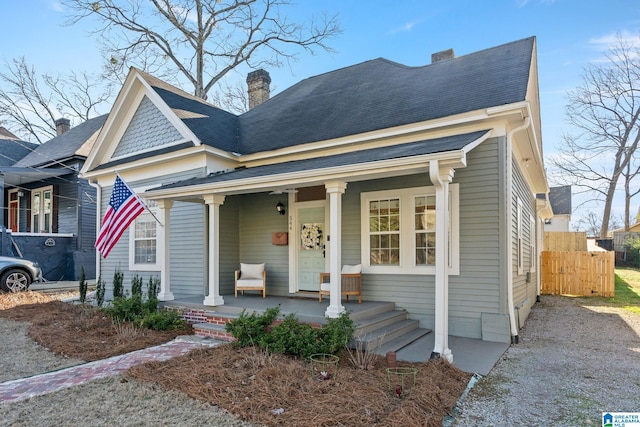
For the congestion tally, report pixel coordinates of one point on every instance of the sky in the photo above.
(570, 34)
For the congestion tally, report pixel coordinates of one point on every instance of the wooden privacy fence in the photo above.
(578, 273)
(565, 241)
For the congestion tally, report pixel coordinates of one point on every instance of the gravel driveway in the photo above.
(575, 360)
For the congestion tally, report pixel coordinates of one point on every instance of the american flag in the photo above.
(124, 207)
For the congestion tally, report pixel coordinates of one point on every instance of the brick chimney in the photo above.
(258, 87)
(62, 125)
(442, 55)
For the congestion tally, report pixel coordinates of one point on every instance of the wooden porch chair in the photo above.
(351, 282)
(251, 277)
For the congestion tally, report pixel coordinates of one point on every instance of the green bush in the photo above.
(136, 285)
(336, 334)
(118, 288)
(126, 309)
(164, 320)
(82, 286)
(249, 329)
(290, 336)
(143, 312)
(100, 289)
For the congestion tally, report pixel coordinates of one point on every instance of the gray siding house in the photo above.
(50, 210)
(430, 177)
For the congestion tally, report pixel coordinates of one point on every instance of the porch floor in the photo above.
(470, 355)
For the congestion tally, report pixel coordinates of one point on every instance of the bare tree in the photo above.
(630, 173)
(200, 40)
(605, 110)
(31, 103)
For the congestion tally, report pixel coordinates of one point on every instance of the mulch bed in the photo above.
(262, 388)
(78, 331)
(275, 390)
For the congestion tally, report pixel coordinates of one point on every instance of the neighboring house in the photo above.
(12, 149)
(427, 176)
(51, 212)
(560, 199)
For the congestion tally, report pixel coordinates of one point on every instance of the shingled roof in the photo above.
(13, 150)
(437, 145)
(373, 95)
(381, 94)
(69, 144)
(560, 199)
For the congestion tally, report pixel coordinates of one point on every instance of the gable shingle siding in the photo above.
(149, 128)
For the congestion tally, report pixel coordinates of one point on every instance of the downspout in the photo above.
(98, 188)
(509, 209)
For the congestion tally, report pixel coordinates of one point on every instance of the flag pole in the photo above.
(142, 201)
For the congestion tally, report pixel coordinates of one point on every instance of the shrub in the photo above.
(118, 278)
(336, 334)
(164, 320)
(290, 336)
(126, 309)
(82, 286)
(136, 286)
(293, 338)
(143, 312)
(249, 329)
(100, 289)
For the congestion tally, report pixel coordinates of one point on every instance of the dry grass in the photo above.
(262, 388)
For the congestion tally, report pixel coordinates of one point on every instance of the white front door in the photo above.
(310, 240)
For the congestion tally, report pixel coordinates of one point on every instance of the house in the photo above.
(560, 199)
(426, 176)
(12, 149)
(51, 211)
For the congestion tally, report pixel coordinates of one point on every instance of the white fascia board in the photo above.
(166, 158)
(445, 124)
(107, 127)
(347, 173)
(123, 110)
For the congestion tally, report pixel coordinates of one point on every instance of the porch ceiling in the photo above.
(16, 176)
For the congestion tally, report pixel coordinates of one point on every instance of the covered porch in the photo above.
(372, 318)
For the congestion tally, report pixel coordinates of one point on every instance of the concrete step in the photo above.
(380, 320)
(373, 311)
(402, 341)
(379, 337)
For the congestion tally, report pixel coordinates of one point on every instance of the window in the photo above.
(14, 210)
(42, 210)
(399, 231)
(519, 236)
(532, 244)
(144, 239)
(384, 231)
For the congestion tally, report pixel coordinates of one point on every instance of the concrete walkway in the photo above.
(37, 385)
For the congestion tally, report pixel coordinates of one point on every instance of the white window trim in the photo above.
(159, 240)
(533, 257)
(35, 228)
(519, 237)
(407, 231)
(18, 197)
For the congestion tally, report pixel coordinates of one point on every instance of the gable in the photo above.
(148, 129)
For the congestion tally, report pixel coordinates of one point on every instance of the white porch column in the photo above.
(214, 201)
(164, 252)
(335, 190)
(441, 177)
